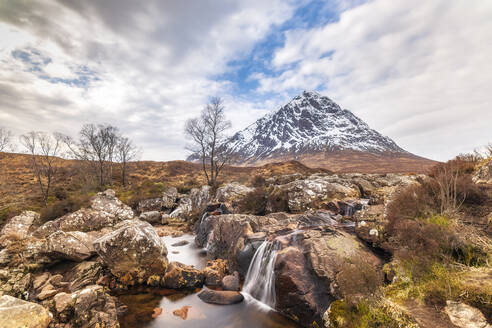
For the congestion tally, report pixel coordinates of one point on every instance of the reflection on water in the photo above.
(247, 314)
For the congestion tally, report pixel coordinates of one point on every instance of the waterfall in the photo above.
(260, 279)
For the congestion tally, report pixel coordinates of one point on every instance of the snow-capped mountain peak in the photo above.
(309, 123)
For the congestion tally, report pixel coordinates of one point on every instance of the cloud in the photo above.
(416, 71)
(145, 67)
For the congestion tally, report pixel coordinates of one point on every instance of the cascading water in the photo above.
(260, 279)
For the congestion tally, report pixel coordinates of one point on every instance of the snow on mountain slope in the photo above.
(309, 123)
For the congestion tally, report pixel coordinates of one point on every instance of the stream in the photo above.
(248, 314)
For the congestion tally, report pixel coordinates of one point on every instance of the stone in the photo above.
(106, 211)
(84, 274)
(169, 197)
(40, 280)
(484, 174)
(220, 297)
(182, 313)
(48, 291)
(180, 243)
(149, 205)
(151, 216)
(232, 193)
(20, 225)
(93, 307)
(193, 203)
(214, 272)
(63, 301)
(231, 282)
(74, 245)
(465, 316)
(16, 313)
(157, 312)
(180, 276)
(133, 252)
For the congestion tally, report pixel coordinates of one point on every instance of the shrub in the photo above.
(278, 201)
(254, 202)
(61, 207)
(258, 181)
(358, 277)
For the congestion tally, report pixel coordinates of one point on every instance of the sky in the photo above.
(417, 71)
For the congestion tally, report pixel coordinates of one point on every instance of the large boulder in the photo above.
(74, 245)
(133, 252)
(232, 193)
(169, 197)
(106, 211)
(19, 225)
(16, 313)
(180, 276)
(484, 174)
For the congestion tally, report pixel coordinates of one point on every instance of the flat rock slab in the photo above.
(220, 297)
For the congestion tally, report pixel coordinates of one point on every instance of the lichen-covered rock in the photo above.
(232, 193)
(149, 205)
(215, 271)
(193, 203)
(151, 217)
(106, 210)
(484, 174)
(74, 245)
(84, 274)
(133, 252)
(19, 225)
(465, 316)
(92, 307)
(16, 313)
(169, 197)
(180, 276)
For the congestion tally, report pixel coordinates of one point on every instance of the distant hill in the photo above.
(314, 130)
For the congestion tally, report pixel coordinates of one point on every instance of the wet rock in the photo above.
(15, 313)
(220, 297)
(133, 252)
(180, 276)
(75, 245)
(151, 216)
(20, 225)
(180, 243)
(182, 313)
(465, 316)
(106, 211)
(231, 282)
(214, 272)
(157, 312)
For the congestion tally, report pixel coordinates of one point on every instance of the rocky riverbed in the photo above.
(195, 259)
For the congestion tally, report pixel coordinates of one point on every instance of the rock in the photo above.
(232, 193)
(151, 217)
(84, 274)
(180, 276)
(157, 312)
(231, 282)
(180, 243)
(18, 284)
(169, 197)
(182, 313)
(133, 252)
(20, 225)
(220, 297)
(40, 280)
(149, 205)
(16, 313)
(465, 316)
(93, 307)
(214, 272)
(47, 292)
(193, 203)
(63, 301)
(75, 245)
(106, 211)
(484, 174)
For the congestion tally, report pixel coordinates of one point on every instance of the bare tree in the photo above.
(96, 146)
(208, 135)
(125, 152)
(43, 149)
(5, 140)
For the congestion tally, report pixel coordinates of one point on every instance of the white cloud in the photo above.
(146, 68)
(417, 71)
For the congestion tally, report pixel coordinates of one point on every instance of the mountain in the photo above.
(316, 131)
